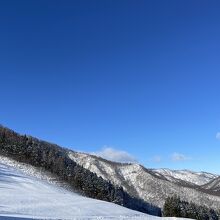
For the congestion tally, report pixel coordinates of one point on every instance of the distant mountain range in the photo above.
(195, 178)
(127, 184)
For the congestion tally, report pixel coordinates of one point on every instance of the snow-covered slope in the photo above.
(213, 185)
(26, 194)
(197, 178)
(152, 186)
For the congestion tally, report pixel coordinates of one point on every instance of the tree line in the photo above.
(55, 159)
(176, 207)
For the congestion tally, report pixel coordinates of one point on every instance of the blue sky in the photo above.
(129, 79)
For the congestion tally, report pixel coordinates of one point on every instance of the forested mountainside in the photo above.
(129, 185)
(213, 185)
(55, 159)
(194, 178)
(154, 186)
(174, 206)
(27, 193)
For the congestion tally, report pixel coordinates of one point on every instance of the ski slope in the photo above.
(24, 196)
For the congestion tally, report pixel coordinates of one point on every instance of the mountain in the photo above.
(213, 185)
(55, 160)
(152, 185)
(126, 184)
(26, 193)
(195, 178)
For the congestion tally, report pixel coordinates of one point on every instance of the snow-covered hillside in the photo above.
(154, 186)
(26, 194)
(213, 185)
(197, 178)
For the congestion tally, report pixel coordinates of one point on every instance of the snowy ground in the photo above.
(24, 196)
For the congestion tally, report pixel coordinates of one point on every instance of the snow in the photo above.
(213, 185)
(26, 193)
(197, 178)
(154, 186)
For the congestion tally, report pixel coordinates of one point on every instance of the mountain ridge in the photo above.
(135, 178)
(28, 193)
(54, 159)
(128, 184)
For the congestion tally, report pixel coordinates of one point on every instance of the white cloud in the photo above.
(115, 155)
(179, 157)
(218, 136)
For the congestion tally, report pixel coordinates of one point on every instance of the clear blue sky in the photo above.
(137, 76)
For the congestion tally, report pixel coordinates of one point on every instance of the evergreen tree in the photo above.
(55, 159)
(175, 207)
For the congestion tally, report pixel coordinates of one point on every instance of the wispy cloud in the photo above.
(179, 157)
(112, 154)
(218, 136)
